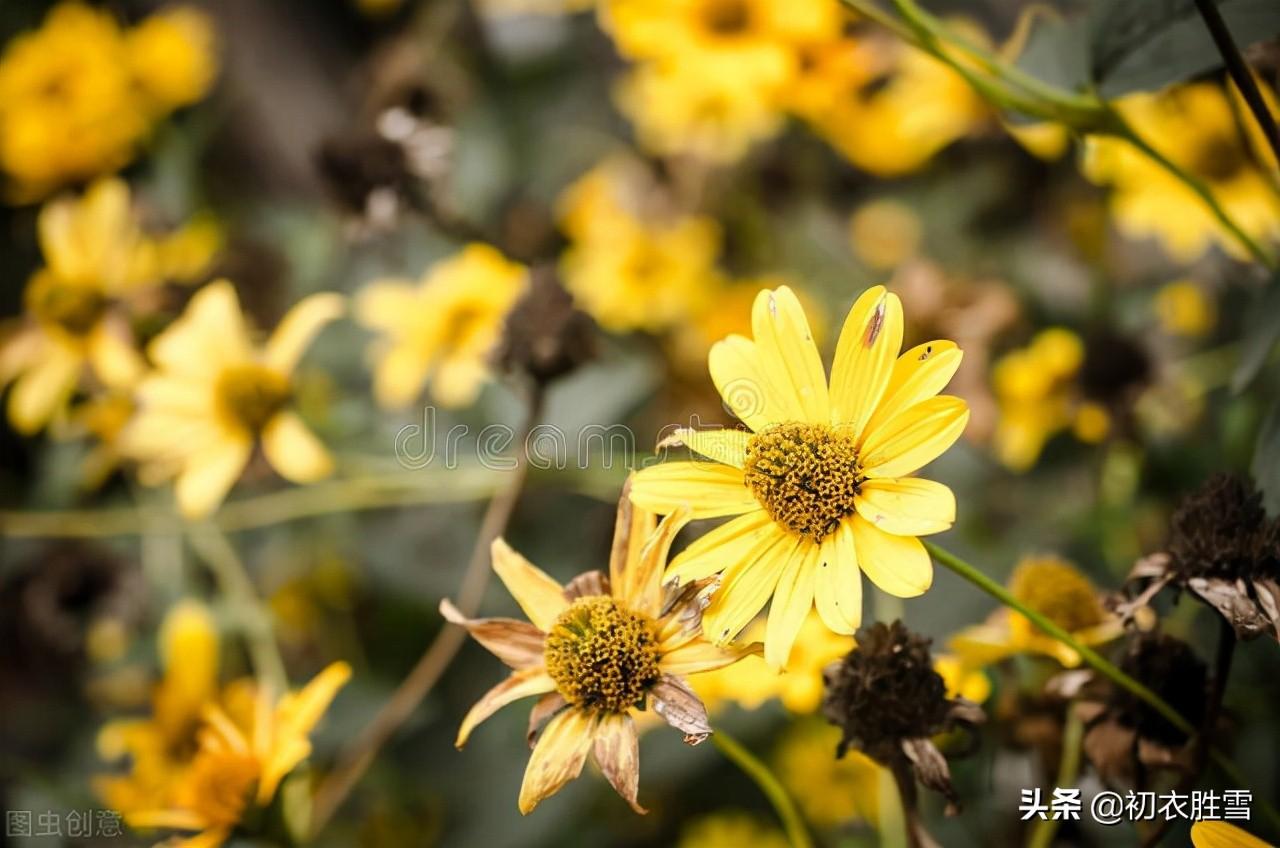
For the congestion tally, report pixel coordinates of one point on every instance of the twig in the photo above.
(1240, 72)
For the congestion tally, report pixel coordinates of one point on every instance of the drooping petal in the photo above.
(617, 751)
(698, 655)
(631, 528)
(517, 643)
(718, 549)
(724, 446)
(748, 583)
(557, 757)
(210, 473)
(523, 683)
(681, 708)
(915, 437)
(906, 506)
(899, 565)
(541, 597)
(743, 383)
(918, 374)
(294, 451)
(707, 489)
(301, 324)
(543, 710)
(838, 586)
(984, 644)
(296, 716)
(788, 355)
(869, 342)
(792, 600)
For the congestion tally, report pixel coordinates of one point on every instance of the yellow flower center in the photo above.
(250, 395)
(726, 17)
(75, 309)
(1057, 591)
(1218, 159)
(219, 786)
(601, 655)
(805, 476)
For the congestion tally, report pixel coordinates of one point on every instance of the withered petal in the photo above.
(681, 708)
(1268, 592)
(589, 584)
(931, 769)
(617, 751)
(1150, 567)
(519, 684)
(1231, 599)
(517, 643)
(1109, 745)
(543, 711)
(1157, 755)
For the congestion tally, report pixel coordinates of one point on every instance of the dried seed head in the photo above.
(1221, 530)
(1056, 590)
(545, 336)
(805, 476)
(602, 655)
(1170, 668)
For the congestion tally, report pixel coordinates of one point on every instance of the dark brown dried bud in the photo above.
(1222, 530)
(1171, 669)
(545, 336)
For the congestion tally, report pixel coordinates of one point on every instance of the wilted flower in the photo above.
(597, 649)
(546, 336)
(819, 483)
(889, 701)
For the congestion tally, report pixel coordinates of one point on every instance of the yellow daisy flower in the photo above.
(242, 757)
(1037, 397)
(1220, 834)
(173, 57)
(596, 650)
(1184, 309)
(1057, 590)
(441, 329)
(819, 485)
(214, 394)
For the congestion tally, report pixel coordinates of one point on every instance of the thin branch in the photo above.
(1240, 73)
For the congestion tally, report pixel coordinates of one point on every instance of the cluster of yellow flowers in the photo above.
(79, 95)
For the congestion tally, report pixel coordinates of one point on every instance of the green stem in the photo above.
(753, 768)
(1068, 770)
(1094, 660)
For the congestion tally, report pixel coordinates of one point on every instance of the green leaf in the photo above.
(1261, 331)
(1266, 460)
(1057, 52)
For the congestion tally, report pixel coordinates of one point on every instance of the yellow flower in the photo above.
(1034, 387)
(830, 791)
(633, 263)
(1057, 590)
(597, 649)
(1183, 309)
(1197, 128)
(730, 829)
(78, 95)
(242, 757)
(819, 485)
(441, 329)
(885, 233)
(961, 679)
(1220, 834)
(214, 394)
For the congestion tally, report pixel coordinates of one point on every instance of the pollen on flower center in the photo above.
(726, 17)
(250, 395)
(74, 308)
(1057, 591)
(804, 475)
(601, 655)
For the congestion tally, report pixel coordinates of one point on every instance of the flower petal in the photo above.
(918, 374)
(984, 644)
(386, 304)
(899, 565)
(869, 342)
(517, 643)
(681, 708)
(631, 528)
(699, 655)
(725, 446)
(299, 326)
(787, 354)
(643, 584)
(557, 757)
(906, 506)
(743, 383)
(209, 474)
(708, 489)
(38, 395)
(296, 716)
(541, 598)
(519, 684)
(210, 333)
(114, 358)
(747, 583)
(792, 600)
(915, 437)
(1220, 834)
(294, 451)
(838, 586)
(543, 711)
(617, 750)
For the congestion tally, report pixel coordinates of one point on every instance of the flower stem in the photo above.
(1094, 660)
(1068, 770)
(1240, 72)
(760, 774)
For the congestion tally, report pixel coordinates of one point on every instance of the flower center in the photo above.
(726, 17)
(601, 655)
(220, 786)
(1057, 591)
(250, 395)
(75, 309)
(805, 476)
(1218, 159)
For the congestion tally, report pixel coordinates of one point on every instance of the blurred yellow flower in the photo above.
(885, 233)
(440, 329)
(1220, 834)
(830, 791)
(819, 485)
(214, 394)
(1035, 390)
(633, 262)
(1183, 309)
(1197, 127)
(731, 829)
(962, 679)
(79, 94)
(1057, 590)
(97, 261)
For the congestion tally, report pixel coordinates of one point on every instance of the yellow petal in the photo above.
(787, 354)
(838, 586)
(792, 600)
(743, 383)
(725, 546)
(517, 643)
(1219, 834)
(386, 304)
(299, 327)
(869, 342)
(398, 376)
(87, 239)
(294, 451)
(918, 375)
(899, 565)
(915, 437)
(906, 506)
(295, 717)
(699, 655)
(519, 684)
(209, 474)
(41, 392)
(723, 446)
(632, 527)
(189, 655)
(617, 751)
(541, 598)
(642, 585)
(748, 583)
(706, 489)
(458, 380)
(114, 359)
(209, 334)
(983, 644)
(557, 757)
